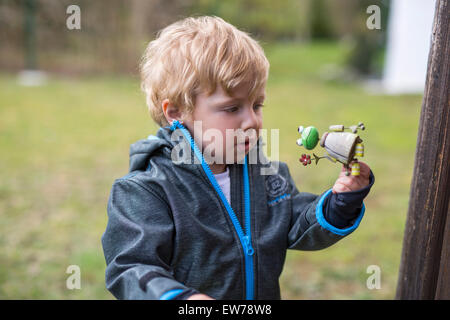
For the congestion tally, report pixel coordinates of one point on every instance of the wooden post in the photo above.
(425, 263)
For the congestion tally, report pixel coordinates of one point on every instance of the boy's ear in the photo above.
(170, 111)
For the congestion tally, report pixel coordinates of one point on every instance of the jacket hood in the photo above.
(142, 150)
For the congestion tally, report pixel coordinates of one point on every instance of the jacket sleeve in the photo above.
(138, 243)
(309, 230)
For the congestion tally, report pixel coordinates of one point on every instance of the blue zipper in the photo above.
(244, 237)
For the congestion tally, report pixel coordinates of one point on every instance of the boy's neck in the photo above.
(218, 168)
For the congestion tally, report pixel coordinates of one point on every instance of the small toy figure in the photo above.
(341, 146)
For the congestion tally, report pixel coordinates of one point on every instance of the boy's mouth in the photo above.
(245, 145)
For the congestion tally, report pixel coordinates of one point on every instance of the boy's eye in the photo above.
(258, 106)
(232, 109)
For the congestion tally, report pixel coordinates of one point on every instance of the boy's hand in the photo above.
(200, 296)
(352, 183)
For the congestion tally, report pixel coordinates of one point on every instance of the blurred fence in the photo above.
(114, 33)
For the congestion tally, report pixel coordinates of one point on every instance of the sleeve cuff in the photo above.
(327, 226)
(178, 294)
(360, 194)
(171, 294)
(186, 294)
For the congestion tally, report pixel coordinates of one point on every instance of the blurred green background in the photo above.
(64, 142)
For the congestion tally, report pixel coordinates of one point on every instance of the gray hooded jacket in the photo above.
(171, 232)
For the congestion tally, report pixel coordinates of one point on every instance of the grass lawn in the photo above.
(63, 144)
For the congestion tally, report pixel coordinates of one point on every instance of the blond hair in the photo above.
(195, 55)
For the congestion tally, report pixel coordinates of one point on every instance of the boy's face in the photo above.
(229, 124)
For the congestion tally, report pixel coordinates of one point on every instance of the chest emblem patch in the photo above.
(276, 185)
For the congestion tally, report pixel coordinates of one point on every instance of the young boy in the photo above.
(218, 229)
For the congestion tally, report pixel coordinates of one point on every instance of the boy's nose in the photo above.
(251, 120)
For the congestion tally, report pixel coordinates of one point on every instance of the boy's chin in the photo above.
(237, 158)
(233, 155)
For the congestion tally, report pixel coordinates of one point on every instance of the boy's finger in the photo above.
(348, 180)
(364, 169)
(340, 187)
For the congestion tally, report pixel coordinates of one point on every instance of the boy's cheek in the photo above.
(226, 149)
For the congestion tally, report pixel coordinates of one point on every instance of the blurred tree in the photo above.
(30, 34)
(265, 19)
(320, 20)
(367, 53)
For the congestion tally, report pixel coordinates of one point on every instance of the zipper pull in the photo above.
(248, 246)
